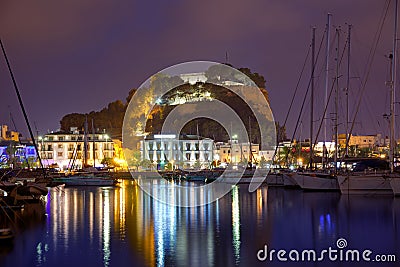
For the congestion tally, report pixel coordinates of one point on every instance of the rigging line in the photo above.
(329, 97)
(12, 119)
(297, 86)
(305, 95)
(377, 36)
(367, 105)
(22, 107)
(370, 61)
(294, 95)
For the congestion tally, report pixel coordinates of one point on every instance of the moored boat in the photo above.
(395, 184)
(86, 180)
(365, 184)
(316, 181)
(6, 234)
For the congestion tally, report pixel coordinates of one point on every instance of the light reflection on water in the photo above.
(123, 226)
(236, 224)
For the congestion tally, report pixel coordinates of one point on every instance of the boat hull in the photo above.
(316, 181)
(395, 184)
(6, 234)
(289, 181)
(365, 184)
(85, 181)
(275, 179)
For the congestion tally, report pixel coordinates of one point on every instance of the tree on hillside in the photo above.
(111, 117)
(257, 78)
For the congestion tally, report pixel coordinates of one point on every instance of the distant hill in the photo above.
(110, 118)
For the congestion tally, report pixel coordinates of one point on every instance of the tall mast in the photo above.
(85, 143)
(251, 151)
(347, 88)
(392, 92)
(337, 100)
(23, 109)
(312, 97)
(94, 145)
(328, 27)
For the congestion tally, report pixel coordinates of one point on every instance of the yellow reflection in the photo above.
(139, 223)
(122, 195)
(259, 203)
(91, 216)
(106, 228)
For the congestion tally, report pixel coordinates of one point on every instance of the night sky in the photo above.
(77, 56)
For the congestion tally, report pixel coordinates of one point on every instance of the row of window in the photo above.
(71, 155)
(79, 147)
(72, 138)
(176, 147)
(188, 157)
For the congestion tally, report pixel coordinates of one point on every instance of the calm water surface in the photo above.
(123, 226)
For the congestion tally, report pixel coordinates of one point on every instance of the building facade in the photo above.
(8, 135)
(65, 150)
(234, 152)
(187, 151)
(363, 141)
(17, 154)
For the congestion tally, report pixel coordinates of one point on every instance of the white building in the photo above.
(234, 152)
(193, 78)
(187, 151)
(66, 149)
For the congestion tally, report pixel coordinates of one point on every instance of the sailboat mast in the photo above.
(23, 109)
(85, 143)
(392, 92)
(347, 88)
(94, 145)
(250, 149)
(312, 97)
(328, 27)
(337, 100)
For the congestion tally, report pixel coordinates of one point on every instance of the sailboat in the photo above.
(28, 191)
(315, 180)
(90, 176)
(395, 176)
(378, 183)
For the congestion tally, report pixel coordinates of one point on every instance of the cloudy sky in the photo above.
(77, 56)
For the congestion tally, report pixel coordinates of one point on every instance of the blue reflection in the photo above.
(326, 226)
(126, 227)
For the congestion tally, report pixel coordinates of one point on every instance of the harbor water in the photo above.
(123, 226)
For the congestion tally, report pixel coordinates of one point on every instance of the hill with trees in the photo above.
(110, 118)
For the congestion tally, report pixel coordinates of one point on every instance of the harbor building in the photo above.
(65, 150)
(17, 154)
(363, 141)
(184, 151)
(235, 152)
(8, 135)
